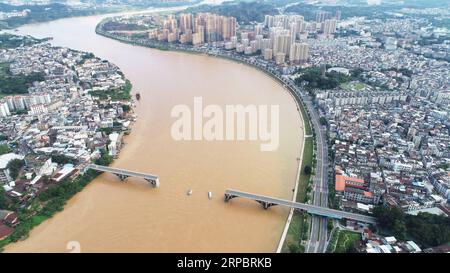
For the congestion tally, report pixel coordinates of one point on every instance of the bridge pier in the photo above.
(228, 197)
(122, 177)
(153, 182)
(266, 205)
(124, 174)
(266, 202)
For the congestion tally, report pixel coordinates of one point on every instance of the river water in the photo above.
(111, 216)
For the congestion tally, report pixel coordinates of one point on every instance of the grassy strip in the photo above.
(343, 241)
(299, 226)
(307, 124)
(330, 226)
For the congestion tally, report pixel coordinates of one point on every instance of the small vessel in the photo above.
(210, 195)
(189, 192)
(138, 96)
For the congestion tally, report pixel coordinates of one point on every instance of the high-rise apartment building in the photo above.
(186, 22)
(329, 26)
(282, 42)
(321, 16)
(299, 52)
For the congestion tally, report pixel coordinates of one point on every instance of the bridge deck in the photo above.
(312, 209)
(122, 172)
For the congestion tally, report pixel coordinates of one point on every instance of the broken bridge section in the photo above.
(124, 174)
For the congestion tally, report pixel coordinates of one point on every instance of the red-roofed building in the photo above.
(11, 219)
(343, 182)
(354, 189)
(5, 231)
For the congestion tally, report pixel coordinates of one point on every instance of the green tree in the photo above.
(126, 108)
(425, 228)
(399, 229)
(105, 159)
(294, 248)
(14, 167)
(387, 216)
(429, 229)
(307, 170)
(62, 159)
(3, 200)
(4, 149)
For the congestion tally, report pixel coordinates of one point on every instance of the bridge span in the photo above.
(124, 174)
(267, 202)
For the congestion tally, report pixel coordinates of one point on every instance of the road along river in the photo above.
(111, 216)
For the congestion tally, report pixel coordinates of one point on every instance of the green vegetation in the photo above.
(43, 13)
(307, 170)
(114, 94)
(306, 123)
(12, 41)
(296, 248)
(105, 159)
(299, 226)
(353, 85)
(427, 229)
(298, 229)
(333, 202)
(62, 159)
(16, 84)
(4, 149)
(107, 130)
(315, 78)
(343, 241)
(126, 108)
(50, 202)
(330, 225)
(14, 167)
(305, 176)
(3, 200)
(84, 58)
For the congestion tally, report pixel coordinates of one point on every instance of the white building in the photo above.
(4, 160)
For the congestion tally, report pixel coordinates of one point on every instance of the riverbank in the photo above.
(41, 190)
(52, 201)
(295, 219)
(166, 219)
